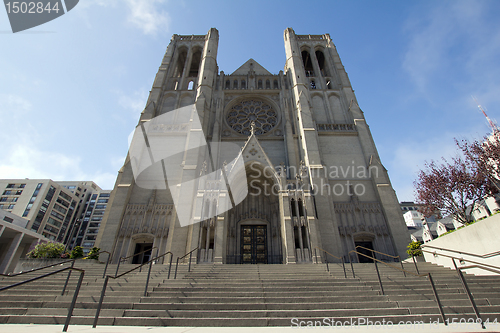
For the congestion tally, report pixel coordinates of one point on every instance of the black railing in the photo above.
(122, 259)
(487, 267)
(75, 294)
(269, 259)
(428, 275)
(190, 253)
(105, 284)
(326, 260)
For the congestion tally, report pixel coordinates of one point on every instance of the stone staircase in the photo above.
(251, 295)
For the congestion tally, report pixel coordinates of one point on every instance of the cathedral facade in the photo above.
(313, 180)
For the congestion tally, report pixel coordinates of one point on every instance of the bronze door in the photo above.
(254, 244)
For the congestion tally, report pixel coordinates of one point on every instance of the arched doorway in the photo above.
(254, 231)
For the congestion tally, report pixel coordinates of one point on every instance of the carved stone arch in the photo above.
(167, 103)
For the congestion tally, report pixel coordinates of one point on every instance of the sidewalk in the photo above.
(22, 328)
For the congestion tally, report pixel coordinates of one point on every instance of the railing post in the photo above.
(326, 259)
(176, 265)
(352, 268)
(67, 279)
(401, 262)
(315, 255)
(73, 301)
(379, 280)
(147, 280)
(415, 263)
(343, 266)
(437, 299)
(170, 265)
(103, 291)
(106, 267)
(190, 256)
(118, 266)
(469, 294)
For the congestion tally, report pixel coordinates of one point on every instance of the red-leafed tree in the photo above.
(486, 155)
(452, 188)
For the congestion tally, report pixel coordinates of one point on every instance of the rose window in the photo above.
(242, 115)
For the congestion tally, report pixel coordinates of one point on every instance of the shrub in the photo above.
(414, 247)
(94, 253)
(76, 253)
(47, 250)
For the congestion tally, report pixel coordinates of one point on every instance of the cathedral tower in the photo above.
(313, 175)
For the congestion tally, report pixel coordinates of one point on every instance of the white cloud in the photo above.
(24, 160)
(147, 16)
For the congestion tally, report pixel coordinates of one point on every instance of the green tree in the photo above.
(77, 252)
(414, 247)
(94, 253)
(46, 250)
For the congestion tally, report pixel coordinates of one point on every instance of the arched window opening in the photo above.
(235, 84)
(301, 207)
(328, 83)
(190, 85)
(313, 84)
(294, 211)
(268, 84)
(306, 59)
(180, 64)
(275, 84)
(195, 64)
(176, 84)
(228, 84)
(304, 237)
(259, 85)
(321, 62)
(243, 84)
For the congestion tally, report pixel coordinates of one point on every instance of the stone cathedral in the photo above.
(314, 178)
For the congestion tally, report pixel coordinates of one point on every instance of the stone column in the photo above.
(11, 252)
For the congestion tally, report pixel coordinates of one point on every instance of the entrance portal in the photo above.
(367, 245)
(143, 257)
(254, 244)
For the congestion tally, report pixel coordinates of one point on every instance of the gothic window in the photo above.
(228, 84)
(321, 62)
(328, 83)
(301, 207)
(294, 210)
(313, 84)
(308, 67)
(268, 84)
(180, 64)
(276, 84)
(243, 84)
(241, 116)
(195, 64)
(259, 84)
(190, 85)
(235, 84)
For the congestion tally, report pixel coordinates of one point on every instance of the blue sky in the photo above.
(71, 90)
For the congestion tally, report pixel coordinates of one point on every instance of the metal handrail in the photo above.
(382, 253)
(385, 254)
(452, 257)
(131, 256)
(487, 255)
(190, 256)
(75, 294)
(72, 261)
(326, 259)
(402, 269)
(105, 284)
